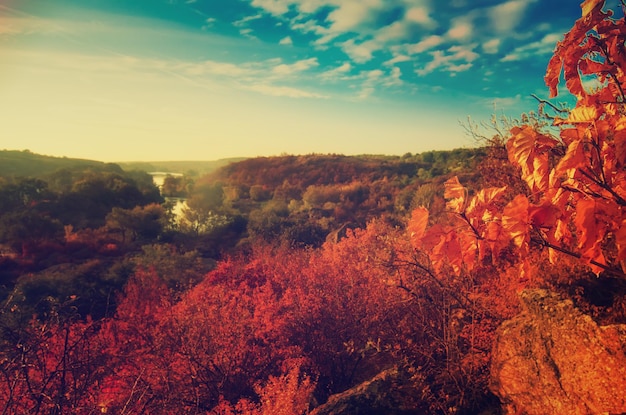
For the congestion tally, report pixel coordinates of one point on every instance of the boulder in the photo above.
(391, 392)
(553, 359)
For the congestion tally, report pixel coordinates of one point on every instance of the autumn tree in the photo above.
(576, 177)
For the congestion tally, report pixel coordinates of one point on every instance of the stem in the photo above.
(618, 199)
(541, 241)
(551, 105)
(474, 230)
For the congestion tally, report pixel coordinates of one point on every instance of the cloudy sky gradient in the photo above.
(119, 80)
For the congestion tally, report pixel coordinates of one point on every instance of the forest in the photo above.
(331, 284)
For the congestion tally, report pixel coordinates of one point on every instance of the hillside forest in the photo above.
(287, 282)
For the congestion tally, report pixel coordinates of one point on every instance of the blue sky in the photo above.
(119, 80)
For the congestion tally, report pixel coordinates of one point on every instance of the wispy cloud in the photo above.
(277, 7)
(425, 44)
(461, 29)
(360, 52)
(506, 17)
(286, 41)
(545, 46)
(454, 59)
(491, 46)
(244, 21)
(359, 47)
(289, 69)
(337, 74)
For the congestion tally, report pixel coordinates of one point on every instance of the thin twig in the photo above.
(551, 105)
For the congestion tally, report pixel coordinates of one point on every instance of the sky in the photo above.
(153, 80)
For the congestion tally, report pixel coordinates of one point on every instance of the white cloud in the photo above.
(360, 53)
(374, 74)
(299, 66)
(396, 30)
(425, 44)
(454, 59)
(351, 14)
(394, 78)
(337, 73)
(247, 32)
(491, 46)
(544, 46)
(461, 29)
(209, 23)
(354, 20)
(459, 68)
(375, 78)
(397, 59)
(245, 20)
(506, 16)
(286, 41)
(420, 15)
(276, 7)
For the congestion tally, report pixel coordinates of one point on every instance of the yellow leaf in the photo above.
(582, 114)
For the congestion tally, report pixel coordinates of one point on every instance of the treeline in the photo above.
(79, 230)
(304, 200)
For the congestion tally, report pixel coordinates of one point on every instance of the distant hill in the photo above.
(189, 168)
(24, 163)
(316, 169)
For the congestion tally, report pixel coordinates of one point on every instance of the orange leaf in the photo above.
(580, 114)
(590, 5)
(586, 225)
(469, 249)
(456, 194)
(484, 197)
(521, 145)
(543, 216)
(539, 179)
(515, 222)
(453, 253)
(553, 74)
(591, 231)
(570, 134)
(417, 226)
(573, 159)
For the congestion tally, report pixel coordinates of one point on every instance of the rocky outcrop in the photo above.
(392, 392)
(553, 359)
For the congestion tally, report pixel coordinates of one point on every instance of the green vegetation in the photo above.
(72, 227)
